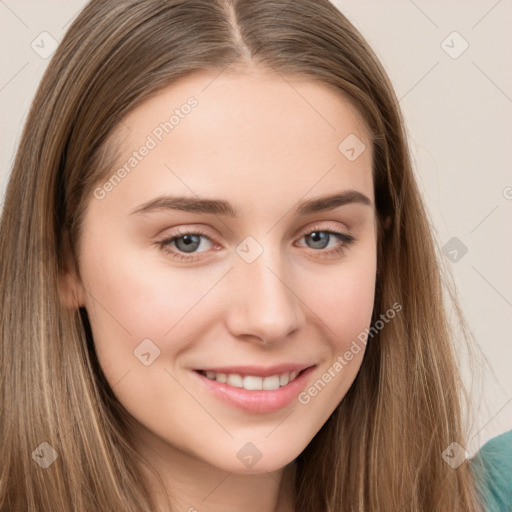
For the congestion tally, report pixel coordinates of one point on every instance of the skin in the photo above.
(264, 144)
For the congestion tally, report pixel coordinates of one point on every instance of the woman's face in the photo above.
(257, 262)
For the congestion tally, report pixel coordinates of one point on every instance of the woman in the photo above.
(228, 297)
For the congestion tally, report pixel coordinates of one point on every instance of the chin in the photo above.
(257, 458)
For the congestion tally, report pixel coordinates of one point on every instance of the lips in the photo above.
(254, 378)
(256, 389)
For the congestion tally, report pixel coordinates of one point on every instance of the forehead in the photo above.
(260, 132)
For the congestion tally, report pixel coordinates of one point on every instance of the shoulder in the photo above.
(492, 467)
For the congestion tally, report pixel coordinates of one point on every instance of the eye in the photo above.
(185, 244)
(186, 241)
(319, 239)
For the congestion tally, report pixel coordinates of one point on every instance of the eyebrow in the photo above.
(222, 207)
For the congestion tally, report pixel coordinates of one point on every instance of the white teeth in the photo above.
(270, 383)
(284, 379)
(235, 380)
(252, 382)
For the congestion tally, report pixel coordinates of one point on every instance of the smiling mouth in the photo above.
(252, 382)
(256, 389)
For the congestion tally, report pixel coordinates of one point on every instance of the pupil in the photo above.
(188, 241)
(317, 236)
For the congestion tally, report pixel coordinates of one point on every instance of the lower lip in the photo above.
(257, 401)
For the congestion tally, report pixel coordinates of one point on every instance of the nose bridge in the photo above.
(262, 300)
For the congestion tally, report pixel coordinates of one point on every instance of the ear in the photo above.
(71, 290)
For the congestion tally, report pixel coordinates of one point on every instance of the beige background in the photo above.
(457, 107)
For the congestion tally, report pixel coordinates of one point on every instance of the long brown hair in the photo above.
(381, 448)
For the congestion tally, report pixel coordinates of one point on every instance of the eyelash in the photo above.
(346, 241)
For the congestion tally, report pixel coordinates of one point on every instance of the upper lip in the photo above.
(258, 371)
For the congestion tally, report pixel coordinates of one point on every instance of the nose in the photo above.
(263, 304)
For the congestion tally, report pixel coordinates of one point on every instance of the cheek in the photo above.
(343, 301)
(344, 298)
(142, 311)
(131, 299)
(141, 295)
(349, 303)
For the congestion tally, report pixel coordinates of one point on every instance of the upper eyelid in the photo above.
(320, 226)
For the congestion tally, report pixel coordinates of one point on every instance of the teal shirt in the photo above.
(492, 467)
